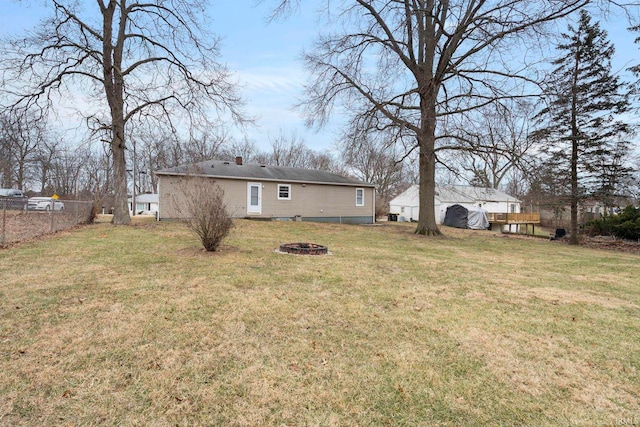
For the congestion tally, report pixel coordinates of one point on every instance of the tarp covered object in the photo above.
(477, 219)
(460, 217)
(456, 216)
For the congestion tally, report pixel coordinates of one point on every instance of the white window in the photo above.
(402, 209)
(284, 192)
(512, 208)
(359, 196)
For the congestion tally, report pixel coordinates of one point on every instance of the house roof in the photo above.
(467, 193)
(409, 197)
(231, 170)
(455, 194)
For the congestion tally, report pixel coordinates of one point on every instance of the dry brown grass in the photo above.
(139, 326)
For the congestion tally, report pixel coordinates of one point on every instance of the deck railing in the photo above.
(514, 218)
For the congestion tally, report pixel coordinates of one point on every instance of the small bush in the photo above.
(204, 211)
(626, 225)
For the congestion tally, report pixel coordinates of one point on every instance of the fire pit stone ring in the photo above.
(303, 249)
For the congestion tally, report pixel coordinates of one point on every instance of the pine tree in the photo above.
(583, 98)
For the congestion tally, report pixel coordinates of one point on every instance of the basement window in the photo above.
(359, 196)
(284, 192)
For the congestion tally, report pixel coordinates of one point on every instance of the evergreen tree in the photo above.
(583, 98)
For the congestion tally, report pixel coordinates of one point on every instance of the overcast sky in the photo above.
(265, 58)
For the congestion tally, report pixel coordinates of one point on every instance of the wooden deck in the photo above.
(514, 218)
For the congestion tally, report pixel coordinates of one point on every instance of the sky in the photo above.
(265, 58)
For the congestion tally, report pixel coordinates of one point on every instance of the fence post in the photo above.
(4, 222)
(51, 214)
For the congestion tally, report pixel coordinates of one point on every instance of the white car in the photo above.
(44, 204)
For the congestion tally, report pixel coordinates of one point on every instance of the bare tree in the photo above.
(411, 64)
(21, 136)
(373, 159)
(68, 169)
(6, 153)
(244, 148)
(288, 150)
(291, 151)
(133, 61)
(45, 156)
(492, 141)
(96, 179)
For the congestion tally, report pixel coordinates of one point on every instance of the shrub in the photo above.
(626, 225)
(203, 210)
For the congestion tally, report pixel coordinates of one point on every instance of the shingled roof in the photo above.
(455, 194)
(232, 170)
(470, 194)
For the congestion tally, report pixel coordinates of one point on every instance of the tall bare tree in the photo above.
(290, 150)
(46, 154)
(492, 141)
(410, 64)
(21, 136)
(6, 152)
(131, 60)
(96, 180)
(371, 158)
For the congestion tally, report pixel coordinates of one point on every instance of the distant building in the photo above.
(146, 204)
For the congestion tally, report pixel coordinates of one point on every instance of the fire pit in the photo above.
(303, 249)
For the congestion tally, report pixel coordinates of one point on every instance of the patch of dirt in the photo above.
(596, 242)
(606, 243)
(193, 251)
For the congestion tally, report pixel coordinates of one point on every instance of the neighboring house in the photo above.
(407, 205)
(275, 192)
(560, 216)
(146, 204)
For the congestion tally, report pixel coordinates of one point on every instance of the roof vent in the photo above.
(226, 163)
(262, 166)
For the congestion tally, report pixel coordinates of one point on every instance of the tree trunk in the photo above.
(573, 238)
(575, 132)
(427, 225)
(114, 91)
(121, 210)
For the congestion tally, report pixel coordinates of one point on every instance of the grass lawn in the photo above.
(137, 325)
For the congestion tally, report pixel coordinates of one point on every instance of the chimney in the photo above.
(239, 161)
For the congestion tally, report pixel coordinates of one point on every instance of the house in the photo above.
(559, 215)
(274, 192)
(146, 204)
(407, 205)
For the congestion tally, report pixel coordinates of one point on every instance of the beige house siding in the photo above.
(315, 202)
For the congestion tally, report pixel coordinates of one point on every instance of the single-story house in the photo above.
(146, 204)
(274, 192)
(407, 205)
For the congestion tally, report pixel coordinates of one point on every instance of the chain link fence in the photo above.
(18, 222)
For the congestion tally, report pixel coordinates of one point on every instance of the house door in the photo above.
(254, 198)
